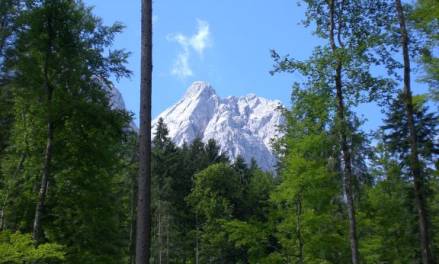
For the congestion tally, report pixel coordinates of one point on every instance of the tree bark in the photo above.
(167, 237)
(143, 238)
(414, 157)
(132, 244)
(197, 244)
(347, 173)
(159, 236)
(299, 228)
(39, 211)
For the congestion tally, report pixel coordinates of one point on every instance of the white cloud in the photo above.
(197, 42)
(181, 66)
(200, 41)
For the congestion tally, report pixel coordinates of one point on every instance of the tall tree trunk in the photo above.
(197, 244)
(299, 228)
(132, 244)
(167, 237)
(414, 158)
(143, 238)
(43, 185)
(159, 236)
(347, 174)
(39, 211)
(343, 126)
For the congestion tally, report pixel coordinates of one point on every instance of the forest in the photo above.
(78, 185)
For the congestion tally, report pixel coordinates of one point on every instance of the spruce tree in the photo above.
(415, 166)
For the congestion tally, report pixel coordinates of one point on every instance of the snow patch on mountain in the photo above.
(242, 125)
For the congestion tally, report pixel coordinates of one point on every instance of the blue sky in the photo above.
(225, 43)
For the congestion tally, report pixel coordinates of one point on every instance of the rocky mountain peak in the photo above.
(241, 125)
(200, 88)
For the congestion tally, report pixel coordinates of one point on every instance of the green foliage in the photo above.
(216, 190)
(232, 214)
(60, 46)
(396, 178)
(310, 225)
(251, 238)
(396, 134)
(19, 248)
(426, 18)
(358, 38)
(389, 221)
(207, 208)
(388, 215)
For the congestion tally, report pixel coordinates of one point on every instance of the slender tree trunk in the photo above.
(159, 236)
(167, 237)
(414, 158)
(143, 238)
(132, 244)
(197, 251)
(347, 181)
(299, 228)
(347, 173)
(39, 211)
(43, 186)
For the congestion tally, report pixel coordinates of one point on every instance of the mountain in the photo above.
(242, 125)
(117, 102)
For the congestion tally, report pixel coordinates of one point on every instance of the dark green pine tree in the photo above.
(241, 168)
(231, 215)
(396, 133)
(402, 37)
(189, 160)
(397, 139)
(388, 211)
(197, 159)
(213, 152)
(166, 166)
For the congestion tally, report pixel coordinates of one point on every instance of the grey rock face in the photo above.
(241, 125)
(117, 102)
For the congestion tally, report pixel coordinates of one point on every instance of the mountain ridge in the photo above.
(241, 125)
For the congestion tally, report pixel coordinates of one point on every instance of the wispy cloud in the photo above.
(197, 42)
(181, 66)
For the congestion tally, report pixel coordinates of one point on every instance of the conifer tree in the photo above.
(415, 166)
(388, 213)
(165, 167)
